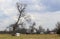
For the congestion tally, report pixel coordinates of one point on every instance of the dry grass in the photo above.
(30, 36)
(40, 36)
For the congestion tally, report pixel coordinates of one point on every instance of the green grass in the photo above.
(30, 36)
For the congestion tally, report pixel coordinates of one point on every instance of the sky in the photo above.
(44, 12)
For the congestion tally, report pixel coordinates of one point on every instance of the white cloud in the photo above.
(52, 5)
(8, 8)
(37, 7)
(47, 20)
(34, 1)
(2, 0)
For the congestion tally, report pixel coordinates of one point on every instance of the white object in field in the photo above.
(41, 32)
(34, 31)
(52, 32)
(17, 34)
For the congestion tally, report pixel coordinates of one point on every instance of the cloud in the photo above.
(47, 20)
(40, 11)
(8, 13)
(52, 5)
(29, 1)
(42, 5)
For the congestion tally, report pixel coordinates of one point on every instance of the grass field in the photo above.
(30, 36)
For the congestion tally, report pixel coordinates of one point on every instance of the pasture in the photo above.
(30, 36)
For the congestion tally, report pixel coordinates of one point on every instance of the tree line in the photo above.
(24, 20)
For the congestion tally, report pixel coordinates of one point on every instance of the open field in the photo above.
(30, 36)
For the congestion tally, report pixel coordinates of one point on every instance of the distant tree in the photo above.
(47, 31)
(22, 30)
(54, 30)
(32, 27)
(40, 30)
(58, 27)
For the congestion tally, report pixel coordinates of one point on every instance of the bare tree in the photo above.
(22, 14)
(21, 9)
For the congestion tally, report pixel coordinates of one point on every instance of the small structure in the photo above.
(41, 32)
(52, 32)
(17, 34)
(34, 31)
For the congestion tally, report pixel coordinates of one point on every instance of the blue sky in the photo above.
(44, 12)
